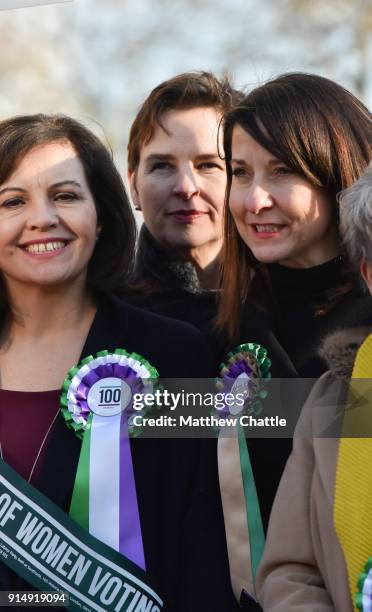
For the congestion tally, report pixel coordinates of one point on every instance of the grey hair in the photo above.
(356, 219)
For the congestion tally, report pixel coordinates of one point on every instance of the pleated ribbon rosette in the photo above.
(244, 372)
(97, 404)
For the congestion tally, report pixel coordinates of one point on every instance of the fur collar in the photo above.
(340, 348)
(160, 264)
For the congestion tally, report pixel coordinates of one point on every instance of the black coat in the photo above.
(176, 480)
(168, 286)
(292, 330)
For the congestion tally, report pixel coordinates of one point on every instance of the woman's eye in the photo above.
(209, 166)
(65, 196)
(239, 171)
(161, 165)
(282, 171)
(12, 203)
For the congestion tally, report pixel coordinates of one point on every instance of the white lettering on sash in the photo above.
(127, 589)
(134, 601)
(8, 514)
(97, 583)
(66, 560)
(79, 569)
(29, 528)
(5, 501)
(114, 584)
(54, 551)
(42, 539)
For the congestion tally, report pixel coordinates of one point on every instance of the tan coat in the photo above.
(303, 568)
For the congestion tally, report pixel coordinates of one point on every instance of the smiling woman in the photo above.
(49, 220)
(70, 349)
(291, 145)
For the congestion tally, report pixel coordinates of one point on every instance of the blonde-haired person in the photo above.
(319, 538)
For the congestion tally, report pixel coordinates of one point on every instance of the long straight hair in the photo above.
(319, 130)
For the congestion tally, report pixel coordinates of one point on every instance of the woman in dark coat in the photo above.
(291, 146)
(177, 180)
(66, 245)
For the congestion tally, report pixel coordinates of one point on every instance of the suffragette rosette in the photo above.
(115, 377)
(97, 404)
(246, 367)
(245, 371)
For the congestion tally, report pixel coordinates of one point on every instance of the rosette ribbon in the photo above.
(244, 372)
(363, 597)
(97, 404)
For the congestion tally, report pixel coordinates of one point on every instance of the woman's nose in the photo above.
(186, 185)
(42, 215)
(257, 198)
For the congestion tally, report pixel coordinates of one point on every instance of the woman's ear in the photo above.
(366, 272)
(133, 190)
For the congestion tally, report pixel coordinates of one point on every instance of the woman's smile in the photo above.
(48, 227)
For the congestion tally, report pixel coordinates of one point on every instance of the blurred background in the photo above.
(98, 59)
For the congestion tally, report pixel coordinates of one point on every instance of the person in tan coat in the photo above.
(304, 567)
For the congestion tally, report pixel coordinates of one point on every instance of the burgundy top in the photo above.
(25, 418)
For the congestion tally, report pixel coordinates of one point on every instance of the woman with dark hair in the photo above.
(291, 145)
(66, 247)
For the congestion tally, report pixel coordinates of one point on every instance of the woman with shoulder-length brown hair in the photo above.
(291, 145)
(72, 357)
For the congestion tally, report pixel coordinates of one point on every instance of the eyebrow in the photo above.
(158, 156)
(241, 162)
(169, 156)
(66, 182)
(59, 184)
(208, 156)
(271, 162)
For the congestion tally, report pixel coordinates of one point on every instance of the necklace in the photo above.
(40, 448)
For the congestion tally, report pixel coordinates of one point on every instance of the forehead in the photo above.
(196, 127)
(53, 160)
(244, 146)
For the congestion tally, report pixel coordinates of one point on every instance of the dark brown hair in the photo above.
(182, 92)
(113, 256)
(318, 129)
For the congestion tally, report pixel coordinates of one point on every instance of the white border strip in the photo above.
(66, 586)
(79, 543)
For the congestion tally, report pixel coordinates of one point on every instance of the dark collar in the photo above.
(63, 451)
(157, 263)
(108, 326)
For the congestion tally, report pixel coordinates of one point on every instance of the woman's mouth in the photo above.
(44, 247)
(187, 216)
(267, 230)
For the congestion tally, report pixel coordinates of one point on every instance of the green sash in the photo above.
(49, 550)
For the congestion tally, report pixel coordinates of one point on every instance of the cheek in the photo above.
(235, 206)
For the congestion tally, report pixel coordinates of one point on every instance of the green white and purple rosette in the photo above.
(97, 405)
(120, 375)
(244, 372)
(363, 597)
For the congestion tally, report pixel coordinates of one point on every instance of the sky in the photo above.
(98, 59)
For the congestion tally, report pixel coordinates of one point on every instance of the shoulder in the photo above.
(178, 348)
(339, 350)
